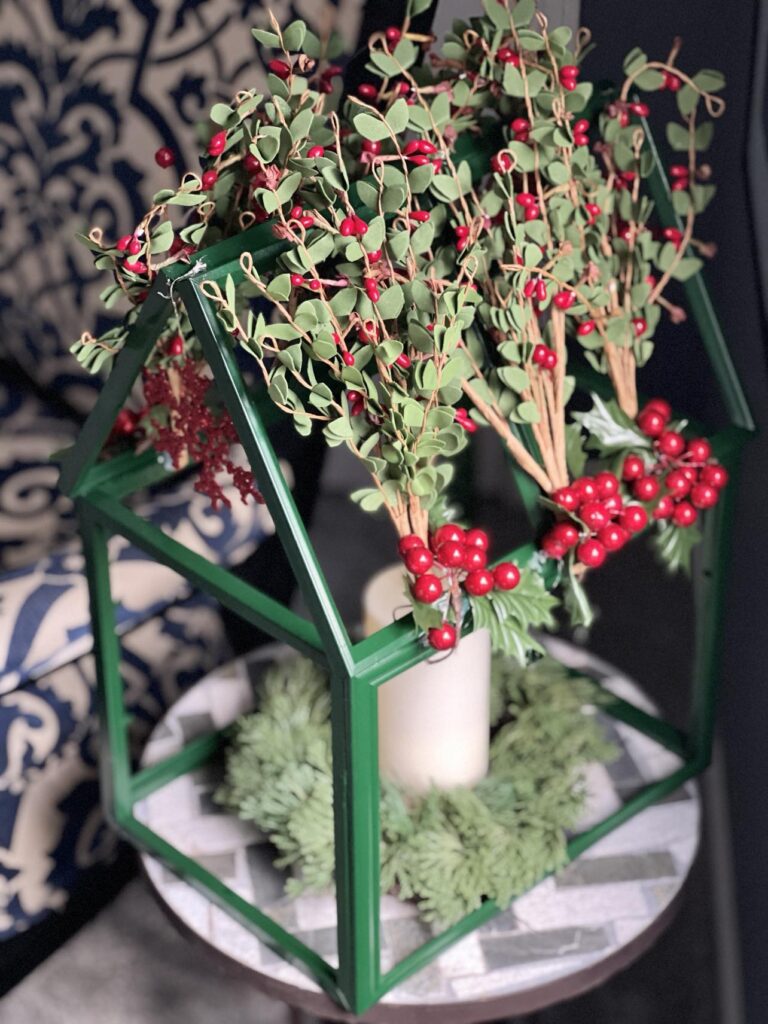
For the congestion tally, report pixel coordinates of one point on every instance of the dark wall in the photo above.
(722, 35)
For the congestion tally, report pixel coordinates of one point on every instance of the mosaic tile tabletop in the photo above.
(570, 922)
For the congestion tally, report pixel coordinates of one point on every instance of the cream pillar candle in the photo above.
(434, 719)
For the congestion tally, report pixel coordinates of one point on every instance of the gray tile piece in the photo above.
(526, 947)
(220, 864)
(626, 868)
(194, 725)
(267, 881)
(402, 936)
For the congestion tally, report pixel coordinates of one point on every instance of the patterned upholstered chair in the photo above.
(87, 93)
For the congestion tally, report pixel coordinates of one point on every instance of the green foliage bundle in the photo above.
(449, 850)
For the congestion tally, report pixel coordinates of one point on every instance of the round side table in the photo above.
(565, 936)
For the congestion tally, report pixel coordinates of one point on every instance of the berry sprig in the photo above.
(452, 565)
(592, 520)
(683, 479)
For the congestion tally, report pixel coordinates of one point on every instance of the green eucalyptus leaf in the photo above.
(371, 128)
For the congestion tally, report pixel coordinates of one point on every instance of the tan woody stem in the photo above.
(515, 447)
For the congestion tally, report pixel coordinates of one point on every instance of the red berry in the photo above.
(651, 423)
(446, 532)
(586, 488)
(371, 146)
(525, 199)
(217, 144)
(279, 68)
(646, 488)
(677, 483)
(501, 162)
(209, 179)
(539, 356)
(125, 422)
(507, 56)
(580, 139)
(671, 443)
(671, 82)
(633, 518)
(678, 171)
(451, 554)
(633, 468)
(408, 543)
(665, 507)
(659, 405)
(347, 227)
(714, 475)
(552, 547)
(315, 151)
(566, 497)
(427, 588)
(315, 285)
(506, 576)
(594, 515)
(613, 537)
(591, 553)
(551, 360)
(442, 637)
(367, 91)
(134, 246)
(476, 538)
(297, 280)
(593, 210)
(582, 125)
(122, 243)
(418, 560)
(349, 359)
(393, 35)
(585, 327)
(164, 157)
(613, 504)
(564, 300)
(403, 361)
(685, 514)
(565, 533)
(520, 124)
(699, 449)
(474, 558)
(176, 346)
(532, 213)
(639, 325)
(607, 484)
(704, 496)
(420, 216)
(479, 582)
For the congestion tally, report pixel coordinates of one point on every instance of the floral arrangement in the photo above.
(420, 294)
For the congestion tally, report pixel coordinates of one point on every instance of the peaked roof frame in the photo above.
(356, 669)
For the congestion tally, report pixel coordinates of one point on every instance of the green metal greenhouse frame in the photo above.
(356, 670)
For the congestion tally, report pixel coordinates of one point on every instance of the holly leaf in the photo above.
(610, 430)
(674, 546)
(510, 615)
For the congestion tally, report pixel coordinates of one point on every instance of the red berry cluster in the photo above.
(453, 559)
(683, 479)
(196, 431)
(595, 520)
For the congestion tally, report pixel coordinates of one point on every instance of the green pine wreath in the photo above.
(447, 850)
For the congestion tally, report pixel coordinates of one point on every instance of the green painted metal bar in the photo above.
(190, 757)
(268, 931)
(114, 755)
(356, 787)
(429, 951)
(700, 302)
(261, 455)
(242, 598)
(656, 728)
(639, 802)
(128, 365)
(710, 568)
